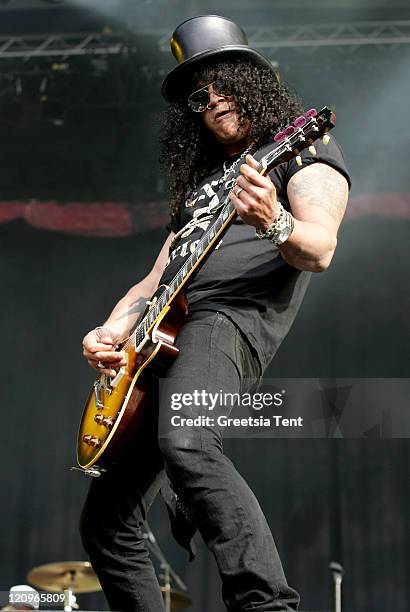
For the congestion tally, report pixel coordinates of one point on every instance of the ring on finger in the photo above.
(238, 191)
(100, 365)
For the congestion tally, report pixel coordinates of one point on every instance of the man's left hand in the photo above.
(254, 196)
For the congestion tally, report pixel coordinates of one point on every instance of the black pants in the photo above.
(214, 356)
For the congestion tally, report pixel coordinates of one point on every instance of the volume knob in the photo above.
(92, 440)
(105, 421)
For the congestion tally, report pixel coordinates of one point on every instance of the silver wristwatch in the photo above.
(280, 230)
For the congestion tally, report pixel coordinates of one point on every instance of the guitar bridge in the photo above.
(97, 394)
(103, 384)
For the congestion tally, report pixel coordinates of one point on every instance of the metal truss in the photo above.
(312, 37)
(303, 38)
(61, 45)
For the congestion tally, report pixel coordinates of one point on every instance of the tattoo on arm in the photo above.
(136, 308)
(320, 185)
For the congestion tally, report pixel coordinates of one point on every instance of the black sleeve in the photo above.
(330, 154)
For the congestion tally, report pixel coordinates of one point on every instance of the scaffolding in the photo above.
(303, 38)
(62, 45)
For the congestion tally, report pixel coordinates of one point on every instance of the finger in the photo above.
(107, 371)
(254, 177)
(115, 358)
(105, 367)
(102, 358)
(93, 346)
(251, 161)
(241, 206)
(258, 193)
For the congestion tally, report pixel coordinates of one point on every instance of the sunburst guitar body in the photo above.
(116, 406)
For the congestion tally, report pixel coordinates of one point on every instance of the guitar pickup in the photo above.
(116, 380)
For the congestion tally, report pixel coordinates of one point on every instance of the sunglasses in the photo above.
(199, 100)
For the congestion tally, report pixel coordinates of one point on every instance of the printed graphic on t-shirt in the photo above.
(199, 219)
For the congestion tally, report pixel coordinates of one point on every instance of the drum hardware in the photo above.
(337, 572)
(67, 577)
(173, 599)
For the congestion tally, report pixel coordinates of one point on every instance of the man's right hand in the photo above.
(99, 348)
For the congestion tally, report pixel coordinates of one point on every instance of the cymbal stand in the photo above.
(70, 601)
(337, 572)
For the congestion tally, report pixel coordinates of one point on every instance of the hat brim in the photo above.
(174, 82)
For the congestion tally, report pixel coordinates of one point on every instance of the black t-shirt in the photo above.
(244, 277)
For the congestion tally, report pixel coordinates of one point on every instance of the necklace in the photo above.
(232, 167)
(227, 171)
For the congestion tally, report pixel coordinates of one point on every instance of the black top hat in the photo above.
(203, 39)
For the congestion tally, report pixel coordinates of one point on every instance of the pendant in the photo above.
(229, 184)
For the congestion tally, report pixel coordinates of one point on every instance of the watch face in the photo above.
(283, 235)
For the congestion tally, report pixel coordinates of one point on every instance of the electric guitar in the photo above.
(115, 408)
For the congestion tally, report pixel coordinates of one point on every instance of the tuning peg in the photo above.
(300, 121)
(312, 112)
(289, 130)
(326, 139)
(280, 136)
(298, 160)
(312, 150)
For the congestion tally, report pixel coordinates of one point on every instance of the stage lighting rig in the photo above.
(45, 1)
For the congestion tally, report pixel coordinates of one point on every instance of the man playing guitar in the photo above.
(225, 104)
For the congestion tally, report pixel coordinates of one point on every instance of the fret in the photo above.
(139, 334)
(163, 300)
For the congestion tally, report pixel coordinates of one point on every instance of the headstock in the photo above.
(298, 136)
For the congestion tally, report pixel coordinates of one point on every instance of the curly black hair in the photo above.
(188, 150)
